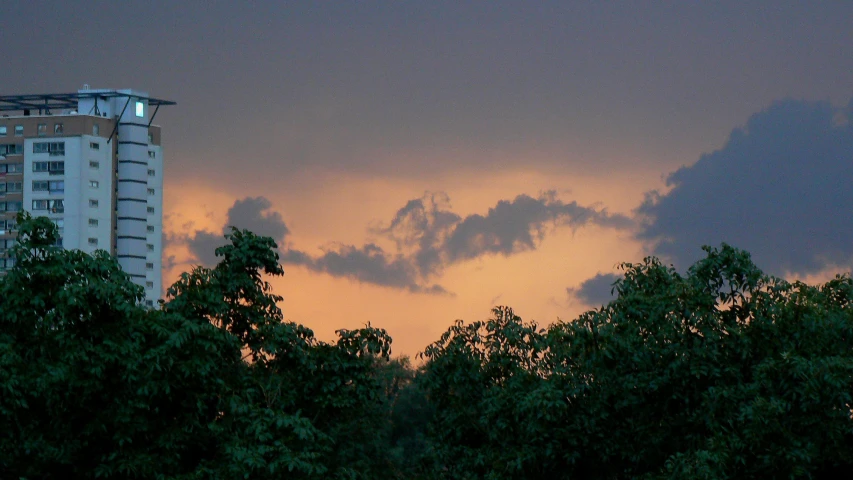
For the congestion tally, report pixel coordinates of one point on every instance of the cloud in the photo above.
(779, 188)
(519, 225)
(440, 238)
(428, 237)
(367, 264)
(595, 291)
(251, 213)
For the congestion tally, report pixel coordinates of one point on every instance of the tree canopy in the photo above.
(719, 372)
(212, 385)
(724, 372)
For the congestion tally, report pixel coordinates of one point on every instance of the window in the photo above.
(150, 247)
(56, 168)
(93, 184)
(150, 191)
(15, 168)
(149, 303)
(149, 285)
(149, 266)
(39, 204)
(42, 129)
(140, 109)
(19, 130)
(58, 128)
(14, 149)
(41, 185)
(93, 222)
(14, 206)
(3, 130)
(96, 129)
(152, 154)
(94, 145)
(150, 228)
(56, 186)
(150, 209)
(93, 241)
(56, 206)
(93, 203)
(94, 164)
(151, 173)
(14, 187)
(41, 166)
(2, 188)
(53, 148)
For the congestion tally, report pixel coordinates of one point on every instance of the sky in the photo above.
(422, 162)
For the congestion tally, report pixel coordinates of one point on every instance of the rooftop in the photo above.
(45, 102)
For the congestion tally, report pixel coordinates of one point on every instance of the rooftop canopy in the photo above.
(46, 102)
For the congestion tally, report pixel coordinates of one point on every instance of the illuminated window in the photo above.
(140, 109)
(19, 130)
(58, 128)
(96, 129)
(3, 130)
(42, 129)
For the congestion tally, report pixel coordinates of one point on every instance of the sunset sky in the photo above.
(421, 162)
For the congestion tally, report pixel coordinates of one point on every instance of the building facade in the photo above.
(92, 162)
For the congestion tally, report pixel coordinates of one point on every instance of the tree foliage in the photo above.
(213, 385)
(721, 372)
(724, 372)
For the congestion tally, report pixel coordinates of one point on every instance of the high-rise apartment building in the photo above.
(92, 162)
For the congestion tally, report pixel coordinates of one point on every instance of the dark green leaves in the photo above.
(722, 373)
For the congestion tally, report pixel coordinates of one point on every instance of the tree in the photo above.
(213, 385)
(724, 372)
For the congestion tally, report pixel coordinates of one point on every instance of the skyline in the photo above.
(380, 124)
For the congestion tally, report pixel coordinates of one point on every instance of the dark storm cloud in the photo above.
(440, 237)
(371, 264)
(596, 290)
(781, 188)
(518, 225)
(423, 226)
(428, 238)
(254, 214)
(296, 86)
